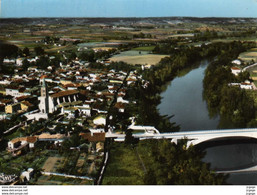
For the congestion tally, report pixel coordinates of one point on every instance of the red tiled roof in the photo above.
(4, 101)
(31, 139)
(43, 77)
(22, 97)
(97, 137)
(235, 68)
(64, 93)
(119, 105)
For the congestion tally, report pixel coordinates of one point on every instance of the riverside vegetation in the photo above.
(164, 162)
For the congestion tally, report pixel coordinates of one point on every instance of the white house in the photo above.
(8, 60)
(22, 141)
(237, 62)
(84, 110)
(36, 116)
(16, 91)
(120, 99)
(19, 61)
(235, 70)
(100, 120)
(246, 85)
(26, 175)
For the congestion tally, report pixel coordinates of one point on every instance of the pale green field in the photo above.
(148, 48)
(149, 59)
(249, 56)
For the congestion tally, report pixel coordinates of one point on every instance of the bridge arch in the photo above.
(200, 140)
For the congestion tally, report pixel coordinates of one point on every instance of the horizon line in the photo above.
(45, 17)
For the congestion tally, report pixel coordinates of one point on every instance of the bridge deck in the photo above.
(195, 134)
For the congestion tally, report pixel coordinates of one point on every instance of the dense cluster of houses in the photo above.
(7, 179)
(69, 88)
(72, 91)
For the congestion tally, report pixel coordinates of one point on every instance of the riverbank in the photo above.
(146, 110)
(187, 104)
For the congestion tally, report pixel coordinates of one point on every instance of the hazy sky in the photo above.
(128, 8)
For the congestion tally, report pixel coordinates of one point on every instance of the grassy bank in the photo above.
(124, 167)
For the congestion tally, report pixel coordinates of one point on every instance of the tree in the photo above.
(179, 165)
(25, 51)
(72, 56)
(39, 51)
(43, 62)
(129, 138)
(8, 50)
(25, 64)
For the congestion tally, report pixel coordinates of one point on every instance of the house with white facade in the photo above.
(246, 85)
(19, 142)
(100, 120)
(235, 70)
(237, 62)
(16, 91)
(26, 175)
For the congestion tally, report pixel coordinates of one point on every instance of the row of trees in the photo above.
(91, 56)
(175, 164)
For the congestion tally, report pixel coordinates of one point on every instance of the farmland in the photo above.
(138, 57)
(144, 59)
(249, 55)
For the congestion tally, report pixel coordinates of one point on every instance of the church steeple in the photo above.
(44, 98)
(44, 89)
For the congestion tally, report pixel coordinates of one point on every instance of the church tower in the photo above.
(44, 98)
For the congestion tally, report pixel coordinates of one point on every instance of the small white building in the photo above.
(8, 60)
(120, 99)
(100, 120)
(16, 92)
(246, 85)
(85, 110)
(22, 141)
(237, 62)
(26, 175)
(19, 61)
(235, 70)
(36, 116)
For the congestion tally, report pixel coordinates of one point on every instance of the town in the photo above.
(65, 88)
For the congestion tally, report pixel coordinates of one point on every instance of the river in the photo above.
(183, 98)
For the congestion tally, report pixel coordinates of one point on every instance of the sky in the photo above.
(127, 8)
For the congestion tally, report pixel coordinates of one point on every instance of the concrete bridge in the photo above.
(246, 170)
(194, 137)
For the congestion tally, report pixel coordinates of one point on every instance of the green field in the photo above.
(148, 48)
(58, 180)
(253, 74)
(123, 167)
(249, 55)
(138, 57)
(151, 59)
